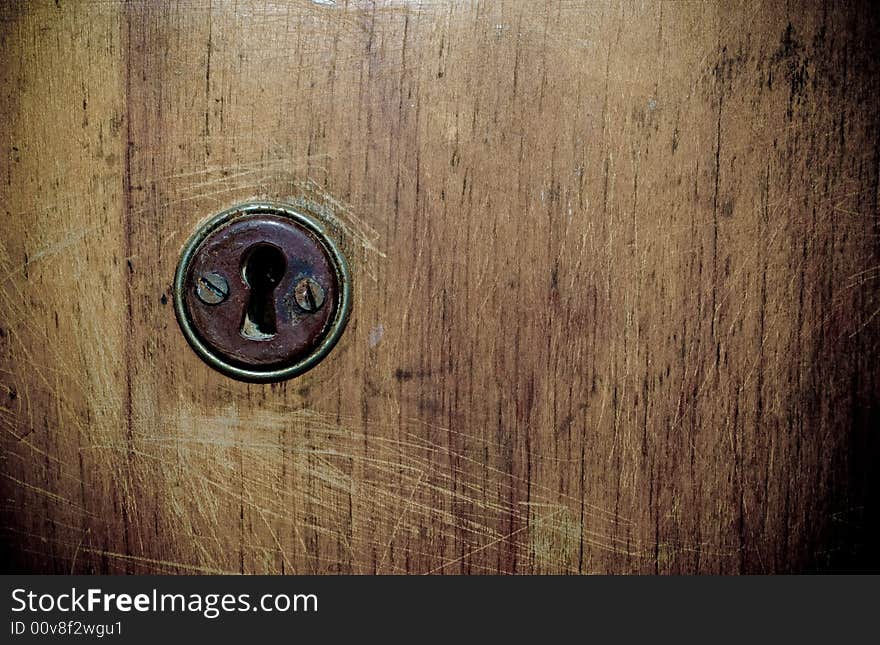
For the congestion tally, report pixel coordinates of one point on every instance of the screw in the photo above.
(309, 295)
(212, 288)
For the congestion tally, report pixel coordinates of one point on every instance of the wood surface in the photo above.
(616, 273)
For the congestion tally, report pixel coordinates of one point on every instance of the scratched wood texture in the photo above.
(616, 302)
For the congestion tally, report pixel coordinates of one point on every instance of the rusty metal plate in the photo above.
(261, 292)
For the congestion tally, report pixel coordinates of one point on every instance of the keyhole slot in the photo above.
(263, 268)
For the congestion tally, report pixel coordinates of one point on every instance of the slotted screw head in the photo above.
(212, 288)
(309, 295)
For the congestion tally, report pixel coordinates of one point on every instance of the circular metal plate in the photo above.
(261, 292)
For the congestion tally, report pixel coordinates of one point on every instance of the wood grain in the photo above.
(616, 273)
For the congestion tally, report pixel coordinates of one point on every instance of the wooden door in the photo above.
(615, 270)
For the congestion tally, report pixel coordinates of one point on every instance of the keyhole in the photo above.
(263, 268)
